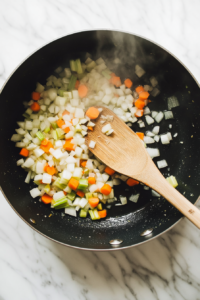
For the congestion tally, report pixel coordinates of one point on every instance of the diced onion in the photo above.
(162, 164)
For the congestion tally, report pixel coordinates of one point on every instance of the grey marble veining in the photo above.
(32, 267)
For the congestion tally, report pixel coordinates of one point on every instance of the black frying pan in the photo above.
(125, 223)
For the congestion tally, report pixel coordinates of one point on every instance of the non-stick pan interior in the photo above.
(123, 222)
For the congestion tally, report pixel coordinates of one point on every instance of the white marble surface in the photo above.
(32, 267)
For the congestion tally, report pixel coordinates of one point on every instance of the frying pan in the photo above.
(134, 223)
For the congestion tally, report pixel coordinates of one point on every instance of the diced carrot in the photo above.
(92, 113)
(139, 104)
(45, 167)
(83, 164)
(106, 189)
(143, 95)
(35, 96)
(69, 146)
(24, 152)
(139, 89)
(139, 113)
(102, 213)
(46, 199)
(65, 193)
(128, 83)
(93, 201)
(46, 148)
(90, 128)
(66, 129)
(77, 84)
(80, 194)
(116, 81)
(65, 112)
(109, 171)
(51, 170)
(91, 180)
(112, 74)
(132, 182)
(140, 135)
(44, 142)
(73, 183)
(60, 123)
(35, 106)
(82, 90)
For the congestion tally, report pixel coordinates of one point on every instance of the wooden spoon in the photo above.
(124, 152)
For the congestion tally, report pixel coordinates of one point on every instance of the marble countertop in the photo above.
(33, 267)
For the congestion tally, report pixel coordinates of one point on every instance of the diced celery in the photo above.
(96, 214)
(88, 195)
(83, 184)
(67, 95)
(72, 65)
(79, 69)
(72, 83)
(99, 206)
(54, 125)
(60, 183)
(172, 180)
(47, 188)
(37, 182)
(60, 92)
(47, 129)
(71, 196)
(60, 202)
(54, 134)
(60, 133)
(83, 213)
(92, 216)
(62, 206)
(40, 135)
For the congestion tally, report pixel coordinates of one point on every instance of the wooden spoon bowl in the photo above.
(125, 153)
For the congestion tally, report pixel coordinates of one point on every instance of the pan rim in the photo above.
(31, 226)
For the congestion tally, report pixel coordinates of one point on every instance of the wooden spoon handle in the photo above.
(161, 185)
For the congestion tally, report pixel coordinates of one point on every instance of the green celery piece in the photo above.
(60, 92)
(54, 125)
(72, 83)
(83, 213)
(92, 216)
(47, 188)
(37, 182)
(67, 95)
(71, 196)
(88, 195)
(172, 180)
(62, 206)
(105, 74)
(83, 184)
(60, 133)
(54, 134)
(96, 214)
(60, 202)
(47, 129)
(40, 135)
(79, 69)
(59, 184)
(99, 206)
(72, 65)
